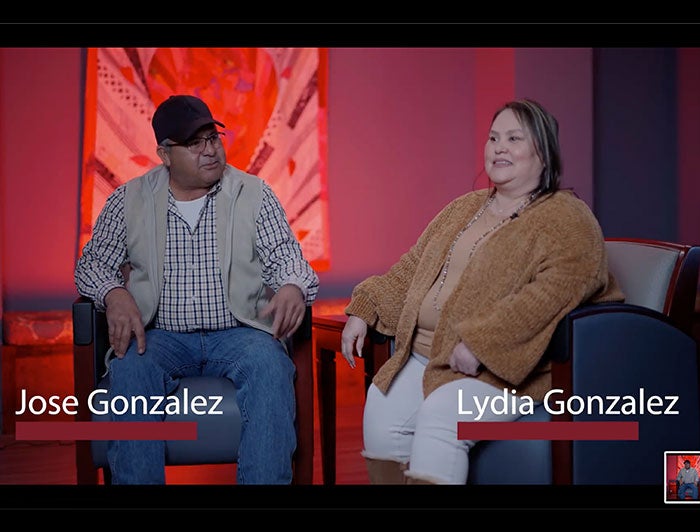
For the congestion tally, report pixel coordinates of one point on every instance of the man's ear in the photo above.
(164, 155)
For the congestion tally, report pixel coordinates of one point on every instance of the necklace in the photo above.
(479, 214)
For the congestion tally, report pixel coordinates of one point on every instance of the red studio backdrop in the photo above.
(272, 101)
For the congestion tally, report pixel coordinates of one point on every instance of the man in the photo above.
(687, 480)
(198, 272)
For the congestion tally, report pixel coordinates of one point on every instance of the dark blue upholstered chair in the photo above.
(218, 436)
(615, 349)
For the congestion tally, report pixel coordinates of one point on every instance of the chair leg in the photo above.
(107, 476)
(86, 473)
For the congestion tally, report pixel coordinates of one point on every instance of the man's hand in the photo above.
(353, 336)
(288, 307)
(123, 320)
(462, 360)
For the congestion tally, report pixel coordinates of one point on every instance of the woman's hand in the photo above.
(462, 360)
(353, 336)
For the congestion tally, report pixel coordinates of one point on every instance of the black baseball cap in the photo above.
(181, 116)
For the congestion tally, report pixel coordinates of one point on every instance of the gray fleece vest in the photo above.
(237, 206)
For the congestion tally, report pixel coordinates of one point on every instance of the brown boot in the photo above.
(416, 481)
(385, 471)
(412, 478)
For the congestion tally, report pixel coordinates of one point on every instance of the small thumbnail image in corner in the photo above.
(682, 477)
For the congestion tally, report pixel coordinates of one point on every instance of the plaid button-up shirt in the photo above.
(193, 296)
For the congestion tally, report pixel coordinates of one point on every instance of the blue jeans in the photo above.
(262, 373)
(685, 487)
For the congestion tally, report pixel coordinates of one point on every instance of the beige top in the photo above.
(434, 300)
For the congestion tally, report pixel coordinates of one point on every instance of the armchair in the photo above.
(218, 436)
(614, 349)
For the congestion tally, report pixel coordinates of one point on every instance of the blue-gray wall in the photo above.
(636, 142)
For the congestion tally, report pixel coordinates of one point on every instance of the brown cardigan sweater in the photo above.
(517, 286)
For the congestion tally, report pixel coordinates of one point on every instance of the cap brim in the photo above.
(195, 126)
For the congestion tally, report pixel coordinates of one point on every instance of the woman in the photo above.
(474, 302)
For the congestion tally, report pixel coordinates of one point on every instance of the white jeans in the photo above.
(404, 427)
